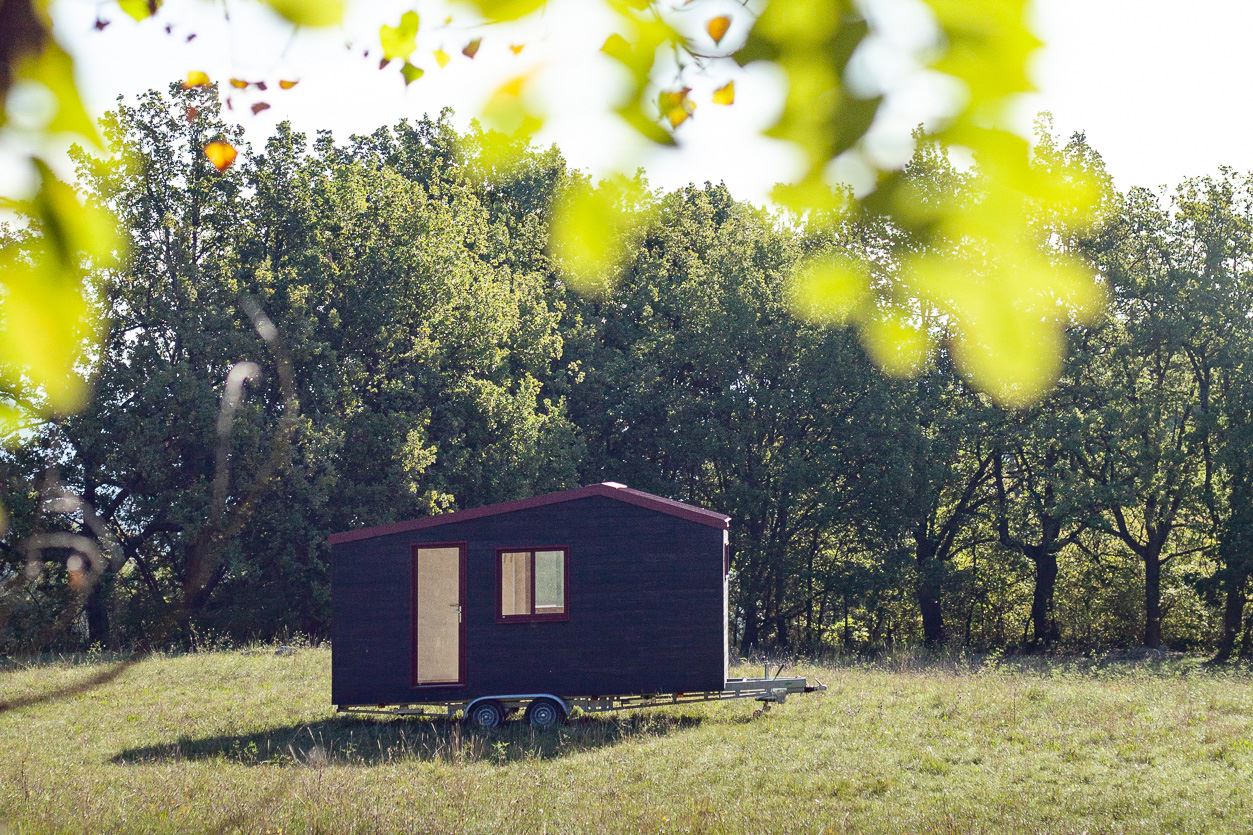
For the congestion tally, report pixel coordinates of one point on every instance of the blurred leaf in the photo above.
(594, 229)
(812, 42)
(675, 105)
(441, 58)
(399, 41)
(725, 95)
(54, 70)
(512, 122)
(634, 46)
(46, 319)
(26, 32)
(259, 107)
(516, 48)
(717, 27)
(411, 73)
(140, 10)
(472, 48)
(237, 83)
(506, 9)
(285, 84)
(830, 288)
(315, 13)
(899, 346)
(196, 78)
(221, 153)
(506, 110)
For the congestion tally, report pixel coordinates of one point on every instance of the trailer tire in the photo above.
(545, 714)
(486, 715)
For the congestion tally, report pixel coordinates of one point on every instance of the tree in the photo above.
(1145, 445)
(700, 384)
(409, 380)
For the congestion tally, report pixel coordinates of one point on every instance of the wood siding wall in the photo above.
(645, 601)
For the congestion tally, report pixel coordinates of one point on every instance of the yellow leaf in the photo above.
(616, 46)
(725, 94)
(221, 153)
(237, 83)
(441, 58)
(140, 10)
(516, 48)
(399, 41)
(472, 48)
(287, 85)
(508, 111)
(196, 78)
(675, 105)
(717, 27)
(310, 12)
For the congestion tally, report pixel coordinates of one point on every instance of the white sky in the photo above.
(1156, 84)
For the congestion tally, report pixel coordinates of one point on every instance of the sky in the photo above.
(1157, 85)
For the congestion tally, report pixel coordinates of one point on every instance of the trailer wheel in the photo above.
(544, 714)
(486, 715)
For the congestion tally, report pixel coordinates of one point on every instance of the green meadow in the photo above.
(245, 740)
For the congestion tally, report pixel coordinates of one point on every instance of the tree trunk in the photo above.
(96, 608)
(749, 641)
(928, 594)
(1043, 626)
(1152, 601)
(1233, 618)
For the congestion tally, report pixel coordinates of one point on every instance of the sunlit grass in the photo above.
(245, 740)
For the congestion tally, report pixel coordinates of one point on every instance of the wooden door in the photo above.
(438, 603)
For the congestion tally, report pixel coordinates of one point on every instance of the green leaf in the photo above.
(411, 73)
(46, 319)
(53, 68)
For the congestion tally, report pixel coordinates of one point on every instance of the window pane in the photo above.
(515, 583)
(550, 582)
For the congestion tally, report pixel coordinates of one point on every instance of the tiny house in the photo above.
(599, 597)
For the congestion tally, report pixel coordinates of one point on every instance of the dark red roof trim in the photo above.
(608, 489)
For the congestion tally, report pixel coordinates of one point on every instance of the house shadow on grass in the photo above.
(353, 740)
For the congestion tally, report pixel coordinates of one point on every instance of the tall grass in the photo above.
(244, 740)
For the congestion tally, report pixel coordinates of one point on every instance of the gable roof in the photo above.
(607, 489)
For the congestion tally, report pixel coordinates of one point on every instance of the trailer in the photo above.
(587, 600)
(544, 711)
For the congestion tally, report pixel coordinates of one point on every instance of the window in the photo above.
(532, 584)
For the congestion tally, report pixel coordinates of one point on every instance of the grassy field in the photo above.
(245, 740)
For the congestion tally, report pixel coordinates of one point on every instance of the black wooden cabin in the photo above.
(598, 591)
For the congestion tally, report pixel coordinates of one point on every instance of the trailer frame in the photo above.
(767, 690)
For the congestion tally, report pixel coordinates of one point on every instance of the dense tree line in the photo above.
(331, 335)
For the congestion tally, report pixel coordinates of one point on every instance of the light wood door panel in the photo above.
(439, 615)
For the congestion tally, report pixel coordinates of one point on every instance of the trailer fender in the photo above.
(529, 697)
